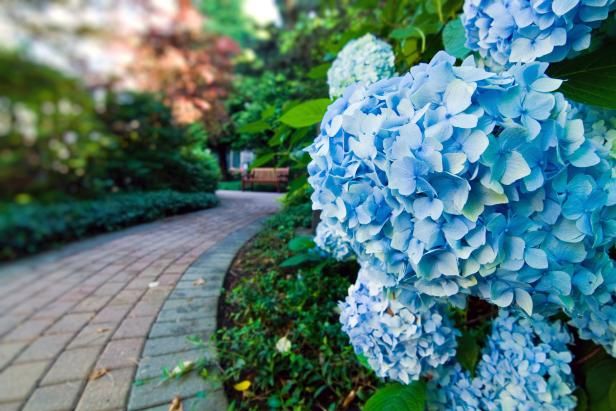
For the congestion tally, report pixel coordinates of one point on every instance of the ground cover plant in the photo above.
(279, 340)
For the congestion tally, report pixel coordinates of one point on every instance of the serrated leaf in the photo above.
(306, 114)
(454, 39)
(398, 397)
(590, 78)
(301, 243)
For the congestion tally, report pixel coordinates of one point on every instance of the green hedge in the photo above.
(27, 229)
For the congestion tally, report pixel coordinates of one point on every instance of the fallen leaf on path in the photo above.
(198, 282)
(242, 386)
(176, 404)
(102, 330)
(98, 373)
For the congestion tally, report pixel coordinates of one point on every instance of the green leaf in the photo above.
(398, 397)
(301, 243)
(468, 351)
(319, 72)
(263, 159)
(258, 126)
(582, 399)
(454, 38)
(590, 78)
(600, 384)
(306, 114)
(298, 260)
(274, 402)
(363, 361)
(268, 112)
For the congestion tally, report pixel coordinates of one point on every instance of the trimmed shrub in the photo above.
(27, 229)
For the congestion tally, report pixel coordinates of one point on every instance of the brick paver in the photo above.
(97, 304)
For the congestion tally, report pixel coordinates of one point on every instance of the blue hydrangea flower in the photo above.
(525, 365)
(593, 304)
(458, 181)
(523, 31)
(364, 60)
(599, 126)
(333, 241)
(399, 333)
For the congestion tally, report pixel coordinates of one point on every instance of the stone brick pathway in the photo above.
(96, 304)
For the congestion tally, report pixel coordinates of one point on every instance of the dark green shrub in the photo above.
(49, 132)
(320, 371)
(151, 151)
(26, 229)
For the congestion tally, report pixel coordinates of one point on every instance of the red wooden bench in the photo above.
(274, 176)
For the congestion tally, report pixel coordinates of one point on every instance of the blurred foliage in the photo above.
(49, 131)
(150, 151)
(225, 17)
(57, 142)
(265, 303)
(26, 229)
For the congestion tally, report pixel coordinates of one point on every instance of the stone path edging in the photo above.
(190, 310)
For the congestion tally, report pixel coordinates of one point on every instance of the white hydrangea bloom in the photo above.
(365, 60)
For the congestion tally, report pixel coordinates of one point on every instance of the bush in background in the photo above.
(49, 132)
(27, 229)
(152, 152)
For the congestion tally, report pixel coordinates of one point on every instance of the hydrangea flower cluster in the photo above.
(400, 334)
(599, 125)
(524, 366)
(332, 241)
(457, 181)
(523, 31)
(364, 60)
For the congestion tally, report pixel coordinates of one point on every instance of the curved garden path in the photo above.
(97, 304)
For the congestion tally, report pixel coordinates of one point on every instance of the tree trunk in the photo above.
(221, 152)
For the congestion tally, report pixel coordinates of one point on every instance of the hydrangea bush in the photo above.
(477, 180)
(364, 60)
(522, 31)
(453, 181)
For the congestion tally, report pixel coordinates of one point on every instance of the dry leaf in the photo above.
(98, 373)
(198, 282)
(176, 404)
(102, 330)
(242, 386)
(349, 399)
